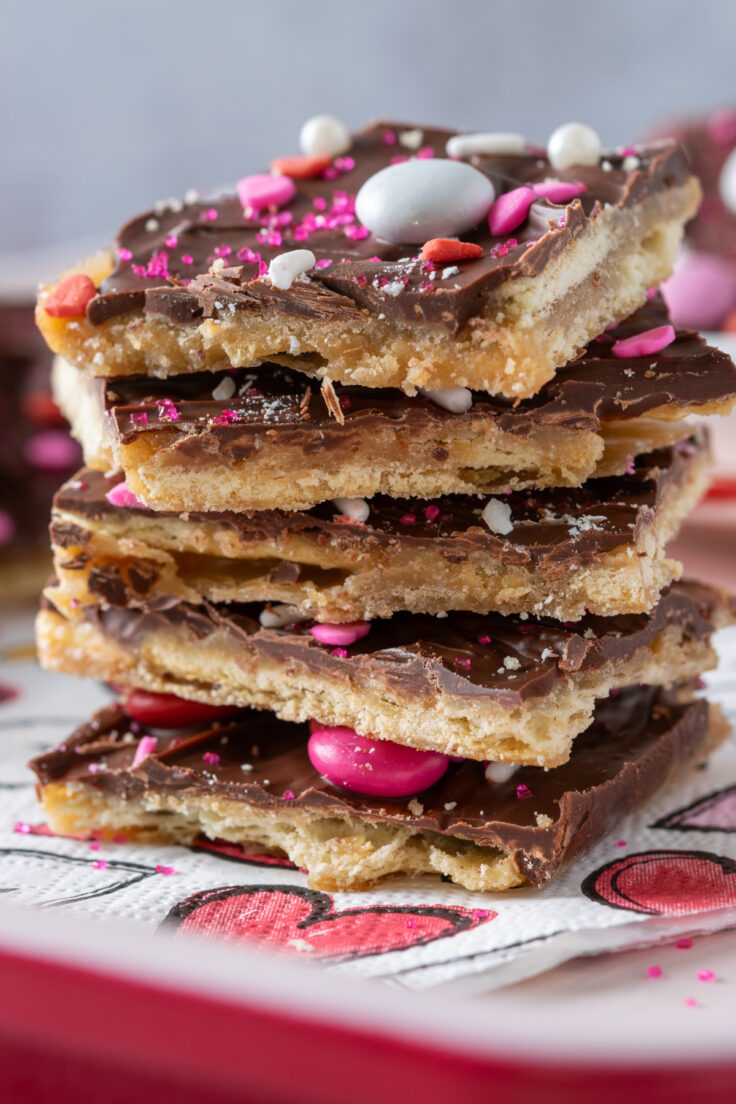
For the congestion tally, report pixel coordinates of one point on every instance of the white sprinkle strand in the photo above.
(225, 388)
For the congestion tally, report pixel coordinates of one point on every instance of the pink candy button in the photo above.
(120, 495)
(511, 208)
(52, 450)
(377, 768)
(7, 527)
(264, 190)
(342, 635)
(644, 344)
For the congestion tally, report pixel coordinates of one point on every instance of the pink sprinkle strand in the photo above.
(644, 344)
(165, 869)
(125, 254)
(119, 495)
(510, 210)
(340, 634)
(654, 971)
(264, 190)
(146, 746)
(706, 975)
(288, 795)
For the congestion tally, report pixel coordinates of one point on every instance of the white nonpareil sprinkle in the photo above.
(411, 139)
(573, 144)
(457, 400)
(225, 388)
(355, 508)
(497, 516)
(287, 267)
(450, 805)
(500, 772)
(191, 195)
(278, 616)
(511, 663)
(490, 142)
(246, 766)
(152, 224)
(630, 162)
(394, 288)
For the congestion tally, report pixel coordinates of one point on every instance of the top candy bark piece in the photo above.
(187, 286)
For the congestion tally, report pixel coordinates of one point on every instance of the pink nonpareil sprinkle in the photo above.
(425, 153)
(432, 513)
(22, 827)
(146, 746)
(225, 418)
(461, 661)
(484, 640)
(644, 344)
(171, 242)
(684, 944)
(211, 757)
(356, 233)
(288, 795)
(620, 843)
(138, 269)
(223, 250)
(523, 792)
(165, 869)
(124, 254)
(99, 864)
(342, 635)
(399, 158)
(706, 975)
(120, 495)
(139, 418)
(690, 1002)
(340, 653)
(167, 410)
(210, 214)
(95, 845)
(389, 138)
(654, 971)
(158, 265)
(187, 259)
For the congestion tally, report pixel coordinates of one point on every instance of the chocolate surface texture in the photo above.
(507, 659)
(166, 270)
(636, 739)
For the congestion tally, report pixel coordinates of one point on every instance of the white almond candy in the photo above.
(278, 616)
(727, 182)
(488, 143)
(225, 388)
(355, 508)
(497, 516)
(324, 136)
(500, 772)
(422, 199)
(455, 399)
(573, 144)
(285, 268)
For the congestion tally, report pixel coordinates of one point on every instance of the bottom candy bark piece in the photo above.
(249, 780)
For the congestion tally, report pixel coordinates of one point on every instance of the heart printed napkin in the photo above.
(669, 869)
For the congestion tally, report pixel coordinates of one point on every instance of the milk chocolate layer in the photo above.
(165, 269)
(504, 659)
(552, 528)
(271, 399)
(540, 817)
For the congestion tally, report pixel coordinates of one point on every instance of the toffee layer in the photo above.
(250, 781)
(598, 548)
(481, 686)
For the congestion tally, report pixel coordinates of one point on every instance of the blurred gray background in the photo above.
(110, 106)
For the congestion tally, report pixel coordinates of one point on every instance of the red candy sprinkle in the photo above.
(168, 711)
(70, 296)
(408, 519)
(447, 249)
(299, 167)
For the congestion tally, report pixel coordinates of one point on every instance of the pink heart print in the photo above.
(716, 812)
(306, 921)
(665, 883)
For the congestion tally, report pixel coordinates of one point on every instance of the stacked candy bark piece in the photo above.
(383, 454)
